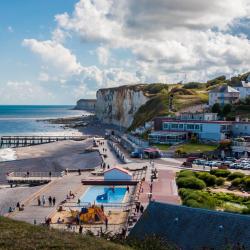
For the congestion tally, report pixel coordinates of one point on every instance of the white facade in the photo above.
(199, 116)
(117, 174)
(223, 95)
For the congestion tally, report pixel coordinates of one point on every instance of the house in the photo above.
(223, 95)
(244, 89)
(175, 130)
(117, 174)
(241, 146)
(203, 116)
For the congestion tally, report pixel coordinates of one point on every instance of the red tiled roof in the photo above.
(119, 169)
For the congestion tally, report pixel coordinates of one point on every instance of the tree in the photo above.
(227, 109)
(216, 108)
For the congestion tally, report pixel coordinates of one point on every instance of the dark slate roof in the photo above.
(193, 228)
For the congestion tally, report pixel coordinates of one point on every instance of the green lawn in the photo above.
(162, 147)
(196, 148)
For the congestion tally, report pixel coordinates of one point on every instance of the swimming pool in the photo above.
(104, 194)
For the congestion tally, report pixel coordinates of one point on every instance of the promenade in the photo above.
(58, 188)
(164, 187)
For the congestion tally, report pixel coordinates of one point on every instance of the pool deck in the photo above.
(58, 188)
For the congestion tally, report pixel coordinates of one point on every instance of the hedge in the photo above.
(190, 182)
(220, 172)
(235, 175)
(209, 179)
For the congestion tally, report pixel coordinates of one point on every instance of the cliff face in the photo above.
(118, 105)
(86, 104)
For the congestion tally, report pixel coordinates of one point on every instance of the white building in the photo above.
(244, 89)
(199, 116)
(117, 174)
(223, 95)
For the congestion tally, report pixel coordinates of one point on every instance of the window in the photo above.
(181, 126)
(190, 126)
(197, 127)
(174, 126)
(165, 126)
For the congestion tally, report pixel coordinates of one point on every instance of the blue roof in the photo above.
(193, 228)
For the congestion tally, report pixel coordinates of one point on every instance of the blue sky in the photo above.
(55, 52)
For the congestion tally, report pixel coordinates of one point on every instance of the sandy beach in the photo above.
(54, 157)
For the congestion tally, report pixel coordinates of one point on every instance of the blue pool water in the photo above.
(112, 197)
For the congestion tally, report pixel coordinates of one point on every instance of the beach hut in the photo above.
(117, 174)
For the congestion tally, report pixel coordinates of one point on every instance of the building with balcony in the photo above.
(241, 146)
(199, 116)
(244, 89)
(223, 95)
(175, 130)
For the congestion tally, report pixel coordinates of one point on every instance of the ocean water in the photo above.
(23, 120)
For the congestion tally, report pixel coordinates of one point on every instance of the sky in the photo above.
(56, 52)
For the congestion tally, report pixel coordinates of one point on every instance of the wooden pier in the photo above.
(32, 177)
(23, 141)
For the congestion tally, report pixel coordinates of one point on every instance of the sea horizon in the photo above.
(28, 119)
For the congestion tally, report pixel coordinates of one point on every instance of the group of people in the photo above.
(19, 207)
(104, 165)
(42, 201)
(70, 195)
(139, 208)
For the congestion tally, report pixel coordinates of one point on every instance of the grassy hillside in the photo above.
(20, 235)
(166, 100)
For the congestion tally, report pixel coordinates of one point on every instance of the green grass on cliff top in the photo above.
(158, 104)
(20, 235)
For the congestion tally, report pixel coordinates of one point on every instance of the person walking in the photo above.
(50, 201)
(141, 209)
(80, 229)
(38, 201)
(137, 207)
(106, 223)
(54, 201)
(43, 200)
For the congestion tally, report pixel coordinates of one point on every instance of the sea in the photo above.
(27, 120)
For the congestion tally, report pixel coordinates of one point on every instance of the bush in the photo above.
(197, 198)
(193, 85)
(216, 108)
(235, 175)
(227, 109)
(220, 181)
(190, 182)
(236, 182)
(246, 182)
(209, 179)
(220, 172)
(185, 173)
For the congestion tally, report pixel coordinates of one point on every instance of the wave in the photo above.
(7, 154)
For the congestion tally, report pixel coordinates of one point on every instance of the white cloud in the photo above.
(55, 54)
(167, 41)
(16, 92)
(103, 55)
